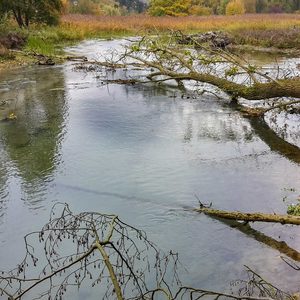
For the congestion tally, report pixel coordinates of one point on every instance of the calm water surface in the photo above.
(142, 152)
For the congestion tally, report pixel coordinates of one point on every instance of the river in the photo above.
(145, 153)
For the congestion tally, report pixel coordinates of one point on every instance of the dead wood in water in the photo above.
(218, 67)
(76, 58)
(250, 217)
(74, 249)
(121, 81)
(245, 228)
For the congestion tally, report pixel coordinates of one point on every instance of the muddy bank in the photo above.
(13, 40)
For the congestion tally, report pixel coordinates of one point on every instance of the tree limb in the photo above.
(183, 64)
(250, 217)
(79, 259)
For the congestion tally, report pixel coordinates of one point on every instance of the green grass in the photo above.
(38, 44)
(50, 41)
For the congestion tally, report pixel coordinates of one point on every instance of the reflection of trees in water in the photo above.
(151, 90)
(223, 128)
(32, 141)
(285, 124)
(212, 124)
(217, 126)
(276, 143)
(3, 185)
(226, 125)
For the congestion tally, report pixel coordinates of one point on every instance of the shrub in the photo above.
(25, 12)
(235, 7)
(169, 7)
(85, 7)
(294, 209)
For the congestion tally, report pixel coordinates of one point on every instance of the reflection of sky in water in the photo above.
(142, 154)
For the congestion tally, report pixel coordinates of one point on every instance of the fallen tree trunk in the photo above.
(218, 68)
(289, 87)
(250, 217)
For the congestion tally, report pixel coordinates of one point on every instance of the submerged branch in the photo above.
(48, 277)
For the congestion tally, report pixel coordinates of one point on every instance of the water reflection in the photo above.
(31, 143)
(275, 143)
(3, 185)
(220, 123)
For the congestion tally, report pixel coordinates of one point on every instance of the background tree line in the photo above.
(180, 7)
(104, 7)
(219, 7)
(48, 11)
(26, 11)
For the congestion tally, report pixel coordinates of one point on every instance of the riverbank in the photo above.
(265, 30)
(259, 32)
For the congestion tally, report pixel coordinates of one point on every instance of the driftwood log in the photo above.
(250, 217)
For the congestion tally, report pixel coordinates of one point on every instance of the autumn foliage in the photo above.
(235, 7)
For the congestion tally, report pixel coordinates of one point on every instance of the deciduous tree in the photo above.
(169, 7)
(26, 11)
(235, 7)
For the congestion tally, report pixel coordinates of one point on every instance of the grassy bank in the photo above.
(271, 30)
(266, 30)
(88, 23)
